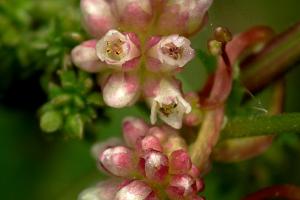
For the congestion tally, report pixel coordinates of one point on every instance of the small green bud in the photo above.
(78, 102)
(51, 121)
(95, 99)
(61, 100)
(68, 79)
(214, 47)
(74, 126)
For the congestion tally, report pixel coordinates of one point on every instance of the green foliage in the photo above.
(73, 102)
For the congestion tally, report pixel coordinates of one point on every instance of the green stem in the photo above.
(278, 56)
(262, 125)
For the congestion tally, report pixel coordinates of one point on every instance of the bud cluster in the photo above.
(154, 165)
(138, 50)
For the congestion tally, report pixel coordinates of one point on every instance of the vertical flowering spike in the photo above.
(135, 190)
(181, 186)
(117, 160)
(156, 166)
(120, 90)
(148, 143)
(180, 162)
(167, 102)
(183, 17)
(104, 190)
(134, 14)
(118, 50)
(133, 128)
(84, 56)
(169, 53)
(97, 17)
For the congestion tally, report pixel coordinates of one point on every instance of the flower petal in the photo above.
(117, 49)
(97, 17)
(134, 15)
(121, 89)
(84, 56)
(104, 190)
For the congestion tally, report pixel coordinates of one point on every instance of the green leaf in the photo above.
(51, 121)
(74, 126)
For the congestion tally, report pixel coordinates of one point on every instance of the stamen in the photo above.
(172, 50)
(168, 109)
(114, 49)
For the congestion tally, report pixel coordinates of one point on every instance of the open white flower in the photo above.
(116, 49)
(168, 104)
(172, 52)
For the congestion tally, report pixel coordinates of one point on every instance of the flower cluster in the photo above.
(153, 165)
(138, 48)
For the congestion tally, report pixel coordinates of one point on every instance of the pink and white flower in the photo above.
(131, 47)
(152, 161)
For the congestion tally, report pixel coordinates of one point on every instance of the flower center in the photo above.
(114, 49)
(168, 109)
(172, 50)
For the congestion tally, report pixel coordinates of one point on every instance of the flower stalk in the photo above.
(262, 125)
(277, 57)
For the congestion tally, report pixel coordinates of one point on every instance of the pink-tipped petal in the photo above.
(117, 160)
(156, 166)
(104, 190)
(180, 162)
(133, 129)
(148, 143)
(181, 186)
(135, 190)
(97, 17)
(99, 147)
(84, 56)
(134, 15)
(121, 90)
(183, 17)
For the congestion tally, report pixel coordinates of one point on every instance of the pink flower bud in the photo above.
(97, 17)
(134, 14)
(133, 128)
(117, 160)
(135, 190)
(121, 89)
(84, 56)
(118, 50)
(181, 186)
(168, 103)
(104, 190)
(148, 143)
(183, 17)
(99, 147)
(170, 53)
(180, 162)
(156, 166)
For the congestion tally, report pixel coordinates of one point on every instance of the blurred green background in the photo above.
(34, 166)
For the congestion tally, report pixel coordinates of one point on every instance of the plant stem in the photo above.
(278, 56)
(262, 125)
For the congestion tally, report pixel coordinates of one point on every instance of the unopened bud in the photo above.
(222, 34)
(214, 47)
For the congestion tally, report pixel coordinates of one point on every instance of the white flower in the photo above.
(116, 49)
(172, 52)
(169, 104)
